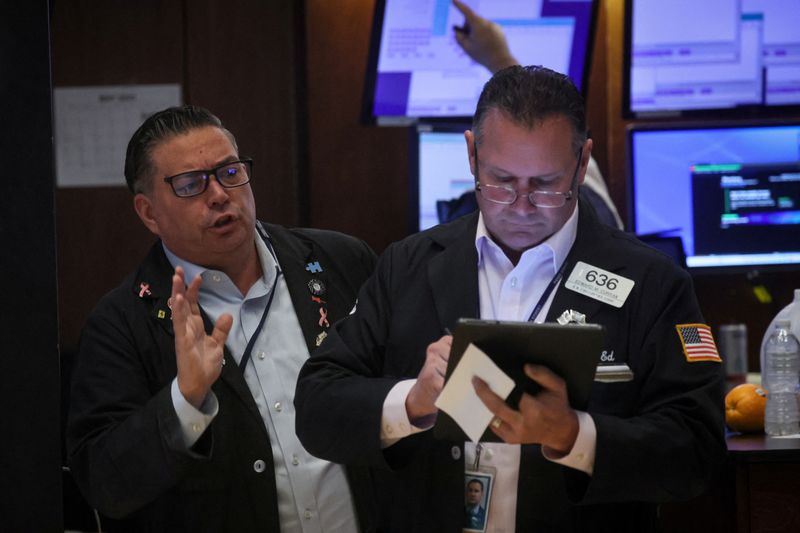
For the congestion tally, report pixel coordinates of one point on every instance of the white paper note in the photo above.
(458, 398)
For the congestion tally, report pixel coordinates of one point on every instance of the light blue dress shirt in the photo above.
(313, 495)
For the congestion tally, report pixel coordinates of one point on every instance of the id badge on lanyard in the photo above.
(478, 486)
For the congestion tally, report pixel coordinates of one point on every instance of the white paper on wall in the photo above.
(94, 124)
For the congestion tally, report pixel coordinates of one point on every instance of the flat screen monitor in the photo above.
(439, 171)
(417, 70)
(712, 57)
(731, 191)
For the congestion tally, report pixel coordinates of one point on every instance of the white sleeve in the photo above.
(581, 456)
(193, 421)
(394, 422)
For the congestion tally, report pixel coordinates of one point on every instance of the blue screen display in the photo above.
(731, 193)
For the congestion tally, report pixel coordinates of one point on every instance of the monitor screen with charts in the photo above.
(417, 69)
(712, 57)
(730, 191)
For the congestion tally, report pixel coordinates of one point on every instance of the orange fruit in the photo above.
(744, 408)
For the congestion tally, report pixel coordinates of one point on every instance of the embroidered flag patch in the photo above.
(698, 343)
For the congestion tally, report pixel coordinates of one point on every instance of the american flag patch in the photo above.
(698, 343)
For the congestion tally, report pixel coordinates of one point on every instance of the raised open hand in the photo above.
(198, 356)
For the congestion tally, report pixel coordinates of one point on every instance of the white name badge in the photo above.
(599, 284)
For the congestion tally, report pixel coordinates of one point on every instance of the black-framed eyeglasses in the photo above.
(229, 175)
(503, 194)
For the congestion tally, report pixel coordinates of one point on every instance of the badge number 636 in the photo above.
(601, 280)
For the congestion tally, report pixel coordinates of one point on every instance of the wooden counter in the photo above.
(757, 491)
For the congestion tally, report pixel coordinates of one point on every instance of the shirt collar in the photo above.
(191, 270)
(559, 243)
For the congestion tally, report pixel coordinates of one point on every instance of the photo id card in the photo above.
(478, 487)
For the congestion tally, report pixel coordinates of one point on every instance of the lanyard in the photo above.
(552, 285)
(249, 349)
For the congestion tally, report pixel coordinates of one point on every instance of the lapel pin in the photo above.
(571, 317)
(316, 287)
(144, 288)
(321, 337)
(314, 267)
(161, 313)
(323, 318)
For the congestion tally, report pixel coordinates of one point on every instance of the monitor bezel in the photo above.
(630, 208)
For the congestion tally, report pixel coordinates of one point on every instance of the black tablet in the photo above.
(572, 351)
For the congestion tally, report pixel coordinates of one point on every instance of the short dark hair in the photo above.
(529, 95)
(157, 128)
(475, 480)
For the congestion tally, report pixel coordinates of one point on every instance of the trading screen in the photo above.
(422, 71)
(731, 193)
(713, 54)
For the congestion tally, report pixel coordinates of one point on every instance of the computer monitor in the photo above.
(439, 171)
(731, 191)
(712, 57)
(416, 69)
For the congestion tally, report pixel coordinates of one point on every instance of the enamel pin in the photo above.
(316, 287)
(314, 267)
(144, 289)
(321, 337)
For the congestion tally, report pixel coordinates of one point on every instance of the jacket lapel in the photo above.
(453, 273)
(153, 283)
(587, 248)
(303, 269)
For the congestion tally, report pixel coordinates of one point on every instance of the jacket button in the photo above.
(455, 451)
(259, 466)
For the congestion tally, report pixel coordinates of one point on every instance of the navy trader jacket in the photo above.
(124, 440)
(658, 436)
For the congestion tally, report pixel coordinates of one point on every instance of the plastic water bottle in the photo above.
(782, 358)
(790, 312)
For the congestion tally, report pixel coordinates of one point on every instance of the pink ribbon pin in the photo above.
(323, 321)
(144, 288)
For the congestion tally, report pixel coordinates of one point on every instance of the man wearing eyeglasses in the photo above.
(182, 415)
(653, 436)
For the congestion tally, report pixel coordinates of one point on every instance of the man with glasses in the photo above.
(367, 396)
(182, 416)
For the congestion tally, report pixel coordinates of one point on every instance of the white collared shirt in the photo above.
(313, 495)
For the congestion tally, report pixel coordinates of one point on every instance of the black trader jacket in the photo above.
(124, 440)
(658, 436)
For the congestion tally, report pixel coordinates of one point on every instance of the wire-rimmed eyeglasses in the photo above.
(229, 175)
(503, 194)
